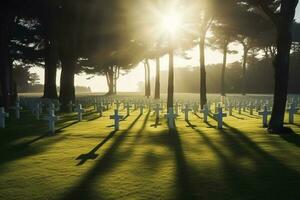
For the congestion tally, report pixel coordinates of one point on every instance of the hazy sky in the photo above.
(129, 82)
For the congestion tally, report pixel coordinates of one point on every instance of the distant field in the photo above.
(142, 94)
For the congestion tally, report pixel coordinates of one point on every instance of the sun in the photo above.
(171, 22)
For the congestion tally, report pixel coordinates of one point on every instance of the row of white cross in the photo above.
(171, 114)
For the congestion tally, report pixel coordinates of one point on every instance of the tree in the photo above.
(223, 35)
(49, 21)
(147, 78)
(157, 79)
(6, 26)
(282, 14)
(202, 16)
(68, 35)
(34, 78)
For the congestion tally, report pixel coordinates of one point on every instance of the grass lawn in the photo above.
(87, 160)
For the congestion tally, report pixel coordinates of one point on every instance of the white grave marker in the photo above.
(116, 118)
(18, 108)
(292, 111)
(265, 114)
(186, 112)
(205, 112)
(52, 118)
(3, 115)
(219, 116)
(127, 106)
(171, 118)
(79, 111)
(157, 109)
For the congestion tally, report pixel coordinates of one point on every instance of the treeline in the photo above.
(259, 78)
(39, 88)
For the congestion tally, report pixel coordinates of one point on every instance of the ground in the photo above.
(88, 160)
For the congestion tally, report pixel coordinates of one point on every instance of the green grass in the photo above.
(87, 160)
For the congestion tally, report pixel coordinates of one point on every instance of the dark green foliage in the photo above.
(186, 79)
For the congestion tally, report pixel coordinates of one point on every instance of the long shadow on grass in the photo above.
(250, 172)
(139, 133)
(27, 129)
(263, 172)
(292, 138)
(182, 176)
(241, 118)
(250, 116)
(171, 139)
(18, 129)
(110, 159)
(92, 154)
(190, 124)
(22, 150)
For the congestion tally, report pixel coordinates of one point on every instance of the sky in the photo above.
(129, 82)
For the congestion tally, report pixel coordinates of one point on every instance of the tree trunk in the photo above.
(281, 64)
(170, 97)
(110, 81)
(157, 79)
(110, 84)
(147, 79)
(225, 49)
(203, 98)
(51, 59)
(7, 89)
(116, 76)
(244, 67)
(67, 89)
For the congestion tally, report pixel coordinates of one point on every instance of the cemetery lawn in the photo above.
(87, 160)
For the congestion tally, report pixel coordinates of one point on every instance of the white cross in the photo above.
(95, 105)
(265, 114)
(162, 104)
(240, 108)
(205, 112)
(51, 107)
(216, 107)
(127, 106)
(79, 111)
(186, 112)
(219, 116)
(149, 105)
(230, 109)
(116, 118)
(37, 111)
(257, 106)
(157, 109)
(18, 108)
(141, 108)
(52, 118)
(292, 110)
(106, 104)
(208, 106)
(195, 108)
(244, 107)
(251, 108)
(3, 115)
(135, 105)
(171, 118)
(176, 108)
(100, 108)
